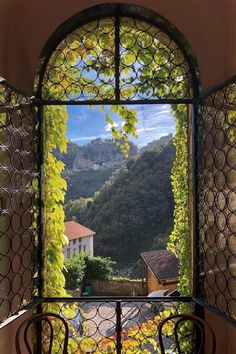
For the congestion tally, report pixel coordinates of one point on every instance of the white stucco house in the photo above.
(80, 239)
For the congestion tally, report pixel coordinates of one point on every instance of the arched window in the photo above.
(119, 55)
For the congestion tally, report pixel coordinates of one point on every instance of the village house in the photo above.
(161, 270)
(80, 239)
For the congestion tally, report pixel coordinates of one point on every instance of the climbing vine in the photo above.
(179, 241)
(54, 188)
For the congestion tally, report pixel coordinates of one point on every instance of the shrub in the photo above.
(74, 272)
(84, 266)
(97, 267)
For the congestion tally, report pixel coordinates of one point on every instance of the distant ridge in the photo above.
(158, 144)
(98, 154)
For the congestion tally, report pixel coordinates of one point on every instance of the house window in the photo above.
(74, 241)
(80, 249)
(84, 248)
(80, 240)
(68, 252)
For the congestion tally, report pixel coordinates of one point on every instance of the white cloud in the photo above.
(154, 121)
(109, 126)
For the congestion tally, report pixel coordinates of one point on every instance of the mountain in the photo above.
(84, 183)
(157, 144)
(69, 156)
(133, 211)
(98, 154)
(88, 167)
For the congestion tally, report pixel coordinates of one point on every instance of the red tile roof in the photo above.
(163, 264)
(74, 230)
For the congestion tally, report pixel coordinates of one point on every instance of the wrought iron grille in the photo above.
(118, 325)
(116, 59)
(217, 202)
(19, 201)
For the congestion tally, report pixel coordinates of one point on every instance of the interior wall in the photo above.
(208, 26)
(224, 333)
(7, 336)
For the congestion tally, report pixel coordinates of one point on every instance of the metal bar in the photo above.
(36, 101)
(117, 102)
(112, 10)
(118, 328)
(198, 155)
(195, 115)
(120, 298)
(117, 57)
(40, 250)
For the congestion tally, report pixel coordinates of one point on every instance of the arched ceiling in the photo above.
(208, 26)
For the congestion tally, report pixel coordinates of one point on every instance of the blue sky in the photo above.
(86, 124)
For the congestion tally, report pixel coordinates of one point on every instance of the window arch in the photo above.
(117, 54)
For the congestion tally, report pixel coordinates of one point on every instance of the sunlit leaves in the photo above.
(179, 241)
(54, 187)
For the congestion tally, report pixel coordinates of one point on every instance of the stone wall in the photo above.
(118, 287)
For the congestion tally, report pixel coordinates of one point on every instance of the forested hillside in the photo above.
(133, 211)
(89, 166)
(85, 183)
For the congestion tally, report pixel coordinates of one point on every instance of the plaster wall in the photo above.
(208, 25)
(224, 333)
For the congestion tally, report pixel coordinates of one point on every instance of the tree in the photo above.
(130, 208)
(97, 267)
(74, 272)
(76, 208)
(83, 266)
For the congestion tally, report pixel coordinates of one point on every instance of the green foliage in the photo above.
(97, 267)
(128, 128)
(54, 188)
(129, 210)
(68, 156)
(74, 272)
(84, 266)
(85, 183)
(75, 210)
(179, 241)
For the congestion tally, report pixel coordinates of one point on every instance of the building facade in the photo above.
(80, 239)
(161, 270)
